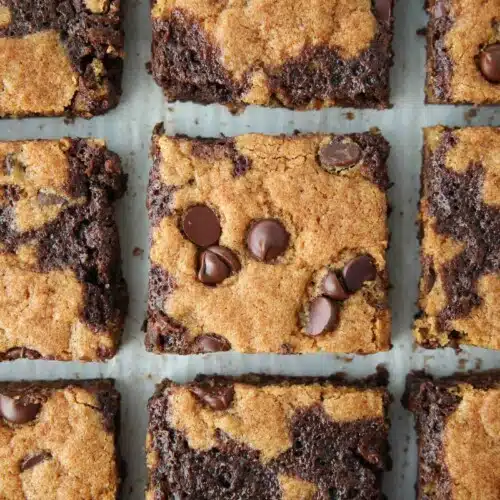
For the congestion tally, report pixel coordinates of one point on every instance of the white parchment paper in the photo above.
(128, 129)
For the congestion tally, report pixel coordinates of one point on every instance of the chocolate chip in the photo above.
(489, 63)
(17, 412)
(9, 164)
(267, 239)
(216, 264)
(201, 225)
(323, 316)
(357, 271)
(45, 199)
(339, 154)
(210, 343)
(217, 397)
(383, 9)
(31, 461)
(333, 287)
(21, 352)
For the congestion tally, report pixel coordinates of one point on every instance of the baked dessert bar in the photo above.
(62, 293)
(268, 438)
(460, 238)
(269, 244)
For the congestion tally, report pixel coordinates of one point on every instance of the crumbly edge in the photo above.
(417, 382)
(176, 332)
(105, 391)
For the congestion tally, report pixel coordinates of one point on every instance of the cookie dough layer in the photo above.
(460, 221)
(331, 217)
(327, 436)
(458, 426)
(296, 54)
(458, 31)
(66, 444)
(66, 59)
(62, 294)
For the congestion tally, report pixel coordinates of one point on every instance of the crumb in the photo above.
(421, 31)
(144, 326)
(138, 252)
(148, 68)
(470, 114)
(69, 120)
(349, 115)
(478, 364)
(462, 363)
(374, 130)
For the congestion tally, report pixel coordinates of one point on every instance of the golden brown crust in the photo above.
(37, 75)
(346, 213)
(472, 444)
(81, 456)
(472, 26)
(478, 146)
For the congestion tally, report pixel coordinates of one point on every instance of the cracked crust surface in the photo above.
(329, 439)
(62, 292)
(261, 308)
(458, 425)
(458, 30)
(60, 57)
(69, 450)
(460, 221)
(297, 54)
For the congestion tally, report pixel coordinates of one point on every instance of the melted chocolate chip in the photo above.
(323, 316)
(46, 199)
(383, 9)
(33, 460)
(489, 63)
(17, 412)
(339, 154)
(20, 352)
(333, 287)
(357, 271)
(267, 239)
(201, 225)
(217, 397)
(211, 343)
(216, 264)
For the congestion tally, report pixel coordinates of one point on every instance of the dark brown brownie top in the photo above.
(212, 438)
(60, 56)
(59, 439)
(274, 53)
(59, 250)
(234, 226)
(460, 217)
(458, 427)
(463, 52)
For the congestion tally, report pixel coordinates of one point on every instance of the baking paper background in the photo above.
(128, 130)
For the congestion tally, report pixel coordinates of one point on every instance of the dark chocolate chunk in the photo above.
(211, 343)
(489, 63)
(33, 460)
(20, 352)
(333, 287)
(201, 225)
(323, 316)
(383, 9)
(17, 412)
(267, 239)
(357, 271)
(216, 264)
(339, 154)
(218, 397)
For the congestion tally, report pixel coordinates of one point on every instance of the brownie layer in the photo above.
(463, 52)
(320, 204)
(460, 220)
(289, 54)
(211, 438)
(60, 258)
(457, 418)
(59, 439)
(60, 57)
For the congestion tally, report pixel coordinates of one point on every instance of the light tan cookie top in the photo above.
(55, 443)
(472, 444)
(327, 214)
